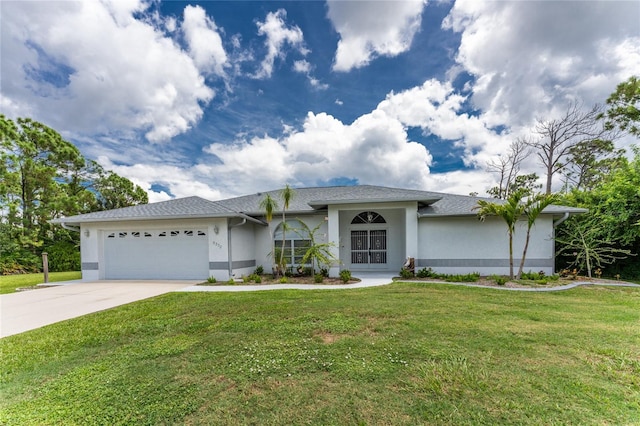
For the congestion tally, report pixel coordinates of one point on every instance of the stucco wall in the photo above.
(465, 245)
(243, 249)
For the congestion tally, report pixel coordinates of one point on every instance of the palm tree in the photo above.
(532, 209)
(317, 253)
(269, 205)
(510, 212)
(287, 195)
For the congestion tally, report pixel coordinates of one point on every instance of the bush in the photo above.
(324, 272)
(259, 270)
(284, 280)
(345, 275)
(257, 279)
(63, 256)
(405, 273)
(212, 280)
(458, 278)
(426, 273)
(318, 278)
(499, 279)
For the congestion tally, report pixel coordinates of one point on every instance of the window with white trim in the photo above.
(295, 246)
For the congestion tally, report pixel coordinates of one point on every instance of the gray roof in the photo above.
(190, 207)
(462, 205)
(305, 200)
(310, 199)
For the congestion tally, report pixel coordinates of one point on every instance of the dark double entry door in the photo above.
(369, 248)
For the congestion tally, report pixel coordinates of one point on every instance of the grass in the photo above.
(400, 354)
(9, 283)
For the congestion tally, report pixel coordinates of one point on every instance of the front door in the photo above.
(369, 248)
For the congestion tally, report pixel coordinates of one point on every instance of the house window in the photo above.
(294, 245)
(368, 217)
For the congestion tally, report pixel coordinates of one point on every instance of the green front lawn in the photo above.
(400, 354)
(9, 283)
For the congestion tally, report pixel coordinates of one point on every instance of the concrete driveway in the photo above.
(28, 310)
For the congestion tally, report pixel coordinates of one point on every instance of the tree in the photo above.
(623, 107)
(510, 212)
(317, 253)
(42, 177)
(532, 209)
(287, 195)
(582, 241)
(558, 136)
(589, 162)
(36, 162)
(114, 191)
(269, 205)
(507, 168)
(614, 211)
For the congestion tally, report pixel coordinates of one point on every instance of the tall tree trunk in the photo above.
(510, 255)
(524, 254)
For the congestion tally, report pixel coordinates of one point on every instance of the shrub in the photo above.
(467, 278)
(231, 281)
(426, 273)
(405, 273)
(554, 277)
(212, 280)
(257, 279)
(499, 279)
(284, 280)
(63, 256)
(324, 272)
(318, 278)
(345, 275)
(259, 270)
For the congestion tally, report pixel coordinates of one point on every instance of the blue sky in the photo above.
(223, 98)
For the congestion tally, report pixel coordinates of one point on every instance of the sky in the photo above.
(227, 98)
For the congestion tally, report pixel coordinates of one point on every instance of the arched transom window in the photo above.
(368, 217)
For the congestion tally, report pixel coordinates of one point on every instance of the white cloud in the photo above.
(305, 68)
(372, 28)
(531, 58)
(110, 70)
(181, 182)
(278, 35)
(205, 44)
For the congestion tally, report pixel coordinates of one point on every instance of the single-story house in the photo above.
(370, 228)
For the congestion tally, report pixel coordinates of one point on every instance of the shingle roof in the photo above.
(310, 199)
(190, 207)
(305, 200)
(462, 205)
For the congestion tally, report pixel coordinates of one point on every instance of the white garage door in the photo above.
(156, 254)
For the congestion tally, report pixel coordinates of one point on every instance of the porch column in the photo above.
(333, 229)
(411, 231)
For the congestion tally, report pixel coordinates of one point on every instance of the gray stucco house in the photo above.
(373, 228)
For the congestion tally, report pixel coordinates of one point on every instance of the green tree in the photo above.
(532, 209)
(510, 212)
(269, 205)
(581, 240)
(287, 195)
(36, 165)
(623, 107)
(589, 162)
(43, 176)
(318, 253)
(614, 206)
